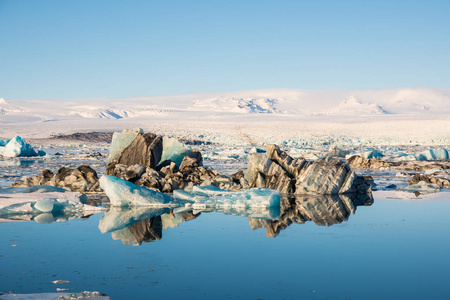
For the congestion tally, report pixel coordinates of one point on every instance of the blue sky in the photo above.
(83, 48)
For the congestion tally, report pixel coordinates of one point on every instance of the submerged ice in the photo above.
(211, 196)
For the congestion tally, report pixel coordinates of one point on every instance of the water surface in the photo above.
(393, 249)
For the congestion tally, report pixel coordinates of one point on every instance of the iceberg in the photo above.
(122, 140)
(211, 196)
(124, 193)
(37, 200)
(17, 147)
(174, 150)
(432, 154)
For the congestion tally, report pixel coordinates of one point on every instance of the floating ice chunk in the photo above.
(118, 218)
(257, 150)
(17, 147)
(174, 150)
(372, 154)
(45, 205)
(32, 189)
(432, 154)
(122, 140)
(367, 154)
(211, 196)
(37, 202)
(124, 193)
(423, 188)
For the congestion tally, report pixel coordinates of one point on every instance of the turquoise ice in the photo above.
(124, 193)
(17, 147)
(174, 150)
(122, 140)
(211, 196)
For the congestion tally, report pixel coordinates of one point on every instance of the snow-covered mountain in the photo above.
(236, 105)
(407, 101)
(355, 107)
(6, 107)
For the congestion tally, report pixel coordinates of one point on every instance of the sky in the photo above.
(82, 48)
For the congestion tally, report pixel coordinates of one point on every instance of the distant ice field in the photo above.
(407, 116)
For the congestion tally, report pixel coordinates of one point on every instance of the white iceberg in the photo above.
(124, 193)
(37, 200)
(17, 147)
(211, 196)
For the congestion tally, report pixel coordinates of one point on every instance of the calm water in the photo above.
(393, 249)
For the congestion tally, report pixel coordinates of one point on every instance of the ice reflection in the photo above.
(325, 210)
(134, 225)
(44, 218)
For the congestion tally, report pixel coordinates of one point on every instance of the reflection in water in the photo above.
(44, 218)
(140, 224)
(147, 231)
(324, 210)
(135, 225)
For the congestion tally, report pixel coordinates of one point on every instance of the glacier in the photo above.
(211, 196)
(17, 147)
(124, 193)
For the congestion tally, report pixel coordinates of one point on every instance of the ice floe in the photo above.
(211, 196)
(42, 199)
(124, 193)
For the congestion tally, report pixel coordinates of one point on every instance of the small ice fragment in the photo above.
(60, 281)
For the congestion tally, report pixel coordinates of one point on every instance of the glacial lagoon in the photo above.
(395, 247)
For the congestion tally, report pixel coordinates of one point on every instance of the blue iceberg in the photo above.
(432, 154)
(122, 140)
(174, 150)
(17, 147)
(211, 196)
(124, 193)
